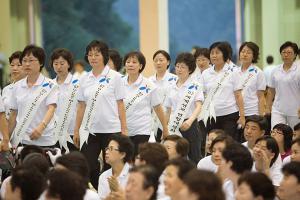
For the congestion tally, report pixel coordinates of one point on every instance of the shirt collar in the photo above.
(103, 73)
(124, 171)
(67, 80)
(39, 81)
(186, 83)
(136, 83)
(293, 67)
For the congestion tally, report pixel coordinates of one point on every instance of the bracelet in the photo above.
(44, 124)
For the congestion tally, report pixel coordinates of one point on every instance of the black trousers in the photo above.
(91, 150)
(137, 140)
(193, 135)
(228, 123)
(203, 135)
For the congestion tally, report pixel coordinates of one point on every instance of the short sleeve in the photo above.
(13, 99)
(199, 95)
(52, 97)
(168, 102)
(119, 88)
(261, 81)
(272, 81)
(236, 80)
(155, 97)
(2, 108)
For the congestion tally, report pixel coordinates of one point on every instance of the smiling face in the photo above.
(161, 63)
(173, 184)
(259, 149)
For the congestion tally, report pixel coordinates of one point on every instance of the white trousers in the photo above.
(277, 118)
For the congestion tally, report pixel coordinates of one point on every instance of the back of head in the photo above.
(30, 182)
(154, 154)
(202, 183)
(239, 156)
(270, 60)
(28, 149)
(259, 183)
(65, 185)
(38, 161)
(182, 145)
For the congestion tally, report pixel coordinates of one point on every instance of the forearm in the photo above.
(161, 116)
(122, 115)
(4, 127)
(12, 121)
(270, 97)
(196, 112)
(261, 102)
(240, 102)
(49, 115)
(167, 115)
(79, 115)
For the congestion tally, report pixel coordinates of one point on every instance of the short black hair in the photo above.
(222, 47)
(297, 127)
(165, 54)
(182, 144)
(271, 145)
(37, 161)
(202, 52)
(270, 59)
(259, 120)
(116, 58)
(99, 46)
(125, 146)
(287, 135)
(151, 177)
(259, 183)
(188, 59)
(139, 55)
(217, 131)
(15, 55)
(28, 149)
(292, 168)
(37, 52)
(255, 50)
(240, 157)
(183, 166)
(287, 44)
(222, 138)
(201, 182)
(65, 54)
(31, 182)
(229, 48)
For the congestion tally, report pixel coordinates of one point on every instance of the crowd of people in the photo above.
(214, 130)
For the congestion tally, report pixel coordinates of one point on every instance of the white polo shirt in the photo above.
(24, 96)
(287, 87)
(177, 93)
(252, 80)
(6, 95)
(206, 163)
(139, 119)
(106, 119)
(225, 103)
(63, 91)
(103, 186)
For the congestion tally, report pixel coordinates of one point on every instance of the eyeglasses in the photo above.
(276, 132)
(287, 52)
(111, 149)
(28, 61)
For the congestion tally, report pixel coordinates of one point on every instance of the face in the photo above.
(31, 65)
(246, 55)
(289, 188)
(11, 194)
(252, 132)
(216, 57)
(173, 183)
(259, 149)
(134, 189)
(111, 64)
(161, 63)
(182, 71)
(61, 66)
(202, 62)
(171, 149)
(278, 136)
(78, 68)
(288, 55)
(295, 152)
(112, 153)
(244, 192)
(133, 66)
(216, 153)
(185, 193)
(16, 69)
(209, 140)
(296, 134)
(95, 58)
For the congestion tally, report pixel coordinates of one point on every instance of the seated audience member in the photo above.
(295, 152)
(289, 188)
(175, 170)
(296, 132)
(65, 185)
(155, 155)
(212, 162)
(176, 146)
(210, 137)
(254, 186)
(236, 160)
(118, 154)
(283, 134)
(267, 158)
(76, 162)
(199, 184)
(25, 184)
(254, 128)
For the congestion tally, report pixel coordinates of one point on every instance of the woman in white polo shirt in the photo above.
(163, 80)
(285, 88)
(31, 119)
(184, 103)
(62, 63)
(223, 107)
(141, 96)
(100, 109)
